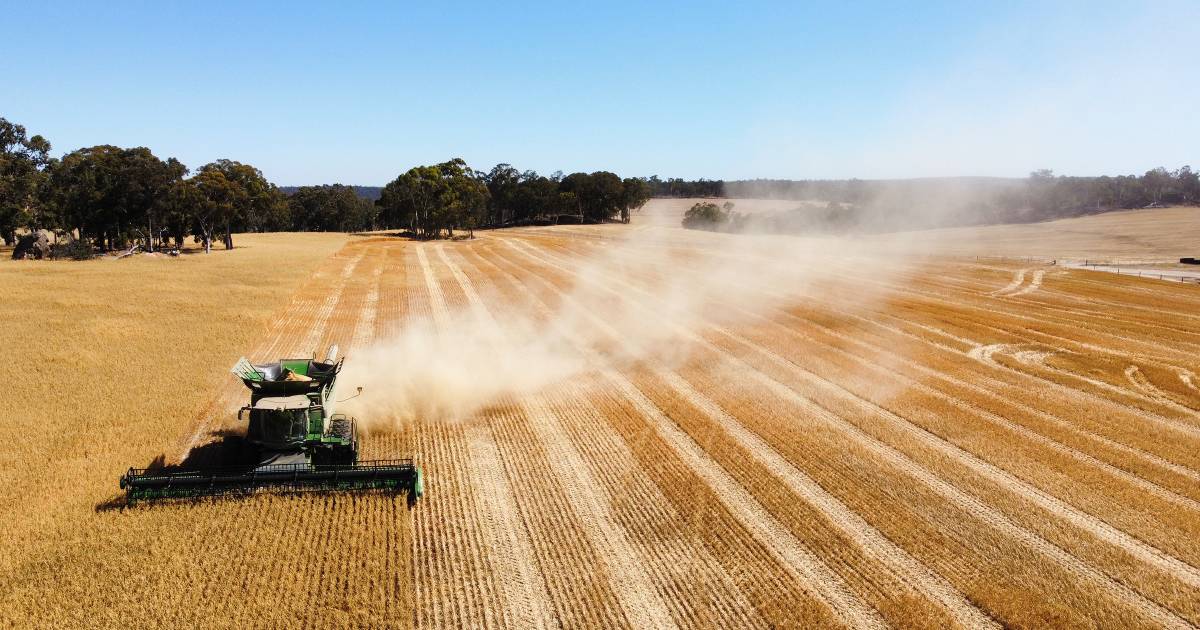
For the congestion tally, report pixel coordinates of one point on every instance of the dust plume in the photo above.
(428, 372)
(653, 295)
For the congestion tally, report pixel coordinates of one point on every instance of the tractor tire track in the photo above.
(691, 581)
(456, 506)
(795, 560)
(641, 602)
(1086, 522)
(1003, 478)
(1017, 281)
(898, 561)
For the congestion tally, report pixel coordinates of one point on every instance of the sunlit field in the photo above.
(733, 436)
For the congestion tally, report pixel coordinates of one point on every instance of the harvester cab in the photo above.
(294, 442)
(291, 408)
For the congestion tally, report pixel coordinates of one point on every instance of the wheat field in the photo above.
(622, 426)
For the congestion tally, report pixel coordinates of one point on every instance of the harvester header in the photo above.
(294, 442)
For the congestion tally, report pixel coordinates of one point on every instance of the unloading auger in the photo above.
(295, 443)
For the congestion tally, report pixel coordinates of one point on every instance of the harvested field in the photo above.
(623, 426)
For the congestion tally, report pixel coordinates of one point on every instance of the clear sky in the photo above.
(355, 92)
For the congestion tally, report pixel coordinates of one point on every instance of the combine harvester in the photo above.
(295, 443)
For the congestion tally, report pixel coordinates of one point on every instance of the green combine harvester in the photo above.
(294, 443)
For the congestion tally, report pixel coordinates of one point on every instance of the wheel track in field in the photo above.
(1067, 315)
(692, 246)
(996, 419)
(526, 596)
(906, 568)
(462, 500)
(364, 331)
(1035, 359)
(1073, 393)
(1013, 427)
(577, 581)
(517, 429)
(1144, 414)
(855, 272)
(1098, 527)
(1034, 284)
(877, 350)
(640, 600)
(1067, 280)
(867, 262)
(1105, 441)
(1141, 389)
(1017, 281)
(1002, 478)
(1187, 377)
(1001, 387)
(1152, 400)
(793, 557)
(985, 354)
(740, 613)
(1088, 304)
(1072, 319)
(977, 351)
(1139, 381)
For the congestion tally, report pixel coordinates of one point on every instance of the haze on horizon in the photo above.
(314, 94)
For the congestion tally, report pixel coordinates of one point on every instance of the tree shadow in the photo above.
(407, 235)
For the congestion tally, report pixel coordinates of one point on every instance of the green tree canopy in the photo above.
(111, 194)
(335, 208)
(430, 199)
(23, 160)
(707, 215)
(241, 198)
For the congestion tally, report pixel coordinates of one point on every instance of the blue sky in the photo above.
(316, 93)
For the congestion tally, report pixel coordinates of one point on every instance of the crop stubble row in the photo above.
(1097, 526)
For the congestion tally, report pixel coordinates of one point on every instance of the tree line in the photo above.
(110, 197)
(1042, 195)
(834, 206)
(437, 199)
(678, 187)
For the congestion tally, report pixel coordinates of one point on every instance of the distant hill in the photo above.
(366, 192)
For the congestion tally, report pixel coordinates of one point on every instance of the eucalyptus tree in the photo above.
(23, 160)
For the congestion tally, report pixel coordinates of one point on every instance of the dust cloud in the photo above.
(652, 295)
